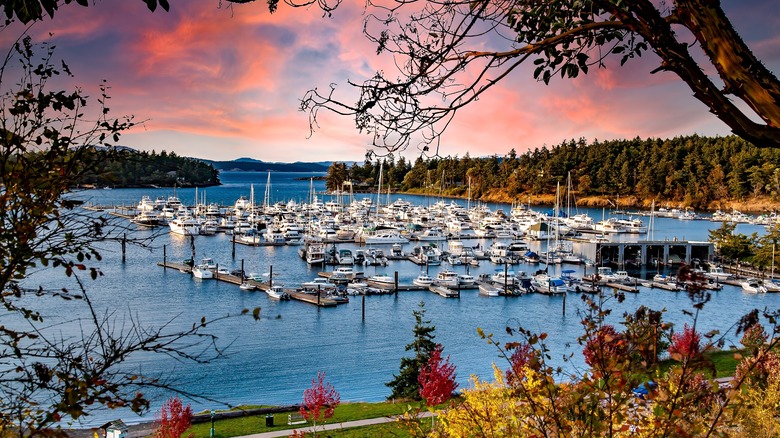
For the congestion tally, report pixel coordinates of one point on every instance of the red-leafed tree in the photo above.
(320, 400)
(437, 379)
(520, 357)
(685, 344)
(603, 345)
(173, 419)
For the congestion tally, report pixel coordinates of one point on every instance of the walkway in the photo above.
(331, 426)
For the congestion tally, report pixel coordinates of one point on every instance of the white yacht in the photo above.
(186, 226)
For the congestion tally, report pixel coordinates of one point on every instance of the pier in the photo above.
(310, 298)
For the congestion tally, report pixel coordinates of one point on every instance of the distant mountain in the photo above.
(252, 165)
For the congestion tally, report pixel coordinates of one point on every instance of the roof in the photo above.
(115, 424)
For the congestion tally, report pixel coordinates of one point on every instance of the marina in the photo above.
(306, 337)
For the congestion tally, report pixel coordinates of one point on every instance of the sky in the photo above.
(215, 82)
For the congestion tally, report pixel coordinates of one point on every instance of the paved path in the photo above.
(331, 426)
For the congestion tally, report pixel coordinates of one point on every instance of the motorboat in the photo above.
(382, 279)
(443, 290)
(147, 218)
(423, 279)
(489, 290)
(753, 286)
(545, 284)
(447, 278)
(771, 285)
(384, 238)
(502, 277)
(344, 257)
(247, 286)
(277, 292)
(202, 272)
(342, 274)
(467, 280)
(716, 272)
(317, 283)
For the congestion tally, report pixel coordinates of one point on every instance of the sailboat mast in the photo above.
(379, 189)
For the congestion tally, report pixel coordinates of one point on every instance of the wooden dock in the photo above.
(672, 287)
(312, 298)
(262, 286)
(623, 287)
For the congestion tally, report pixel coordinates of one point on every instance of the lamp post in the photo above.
(211, 434)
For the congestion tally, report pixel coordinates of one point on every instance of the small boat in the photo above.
(202, 272)
(753, 286)
(489, 290)
(317, 283)
(247, 287)
(424, 280)
(443, 291)
(382, 279)
(466, 280)
(771, 285)
(277, 292)
(507, 278)
(716, 272)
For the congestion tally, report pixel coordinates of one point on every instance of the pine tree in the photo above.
(405, 385)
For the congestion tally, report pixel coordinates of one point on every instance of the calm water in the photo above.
(273, 360)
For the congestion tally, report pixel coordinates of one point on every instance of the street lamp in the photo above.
(212, 423)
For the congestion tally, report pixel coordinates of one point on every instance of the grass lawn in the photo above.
(344, 412)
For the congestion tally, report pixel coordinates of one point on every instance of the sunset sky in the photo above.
(223, 83)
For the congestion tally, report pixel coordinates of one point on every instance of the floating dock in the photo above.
(262, 286)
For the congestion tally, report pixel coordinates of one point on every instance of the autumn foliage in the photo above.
(686, 344)
(320, 400)
(606, 343)
(437, 379)
(173, 419)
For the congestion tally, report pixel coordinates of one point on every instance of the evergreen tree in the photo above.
(405, 385)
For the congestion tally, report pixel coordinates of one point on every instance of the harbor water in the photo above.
(272, 360)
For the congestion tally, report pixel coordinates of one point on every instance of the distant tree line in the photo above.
(695, 171)
(129, 168)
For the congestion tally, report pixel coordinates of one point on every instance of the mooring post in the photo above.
(165, 256)
(564, 304)
(242, 270)
(364, 307)
(124, 246)
(396, 283)
(233, 253)
(271, 276)
(319, 287)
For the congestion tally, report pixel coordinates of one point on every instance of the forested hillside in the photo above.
(130, 168)
(693, 171)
